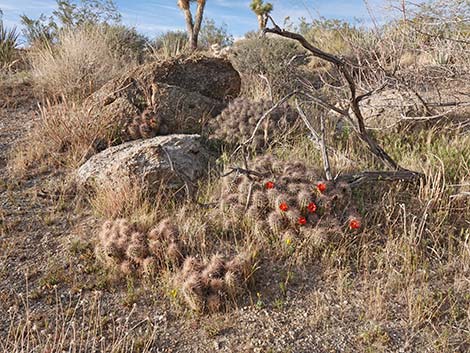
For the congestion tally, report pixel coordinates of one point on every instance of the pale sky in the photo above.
(157, 16)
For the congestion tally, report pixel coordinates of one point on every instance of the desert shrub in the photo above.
(237, 123)
(211, 34)
(289, 201)
(8, 44)
(279, 60)
(329, 35)
(68, 15)
(210, 286)
(81, 62)
(126, 42)
(127, 248)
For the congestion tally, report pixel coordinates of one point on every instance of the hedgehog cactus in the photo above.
(289, 201)
(146, 125)
(237, 122)
(208, 286)
(164, 244)
(124, 246)
(114, 240)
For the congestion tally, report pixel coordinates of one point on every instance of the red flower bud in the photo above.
(283, 207)
(312, 207)
(269, 185)
(321, 187)
(354, 224)
(302, 221)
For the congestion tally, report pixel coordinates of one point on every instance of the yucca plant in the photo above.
(8, 44)
(174, 48)
(169, 45)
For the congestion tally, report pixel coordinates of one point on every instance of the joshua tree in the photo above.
(261, 9)
(193, 27)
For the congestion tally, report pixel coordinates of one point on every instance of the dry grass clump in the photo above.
(209, 286)
(290, 201)
(69, 133)
(81, 62)
(66, 134)
(129, 249)
(237, 122)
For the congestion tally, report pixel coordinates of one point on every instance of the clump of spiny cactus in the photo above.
(124, 246)
(164, 244)
(146, 125)
(289, 200)
(211, 285)
(237, 122)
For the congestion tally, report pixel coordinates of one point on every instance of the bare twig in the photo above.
(320, 140)
(432, 117)
(315, 136)
(462, 194)
(309, 126)
(324, 152)
(268, 84)
(357, 179)
(187, 184)
(245, 172)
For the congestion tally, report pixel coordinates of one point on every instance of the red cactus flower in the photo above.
(269, 185)
(283, 207)
(312, 207)
(321, 187)
(354, 223)
(302, 221)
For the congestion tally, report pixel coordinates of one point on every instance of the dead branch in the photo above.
(245, 172)
(320, 140)
(357, 179)
(431, 117)
(309, 126)
(324, 152)
(353, 179)
(354, 99)
(315, 136)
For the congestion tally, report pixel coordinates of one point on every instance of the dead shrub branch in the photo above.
(346, 70)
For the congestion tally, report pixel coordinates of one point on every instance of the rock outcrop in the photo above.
(178, 96)
(170, 161)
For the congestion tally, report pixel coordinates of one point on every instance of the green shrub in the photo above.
(212, 34)
(69, 15)
(126, 42)
(279, 60)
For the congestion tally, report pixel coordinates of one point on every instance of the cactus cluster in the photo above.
(145, 125)
(205, 286)
(210, 285)
(237, 122)
(289, 201)
(124, 246)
